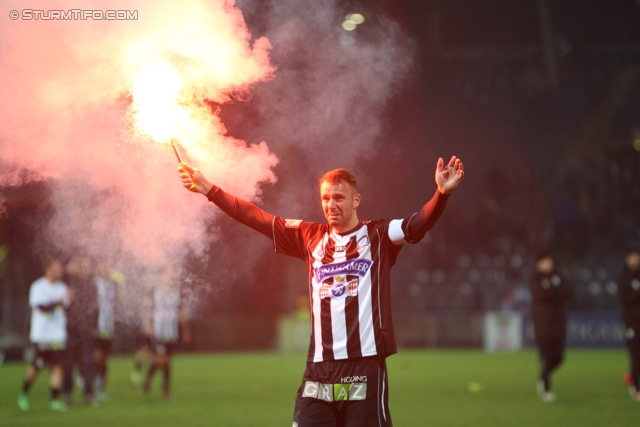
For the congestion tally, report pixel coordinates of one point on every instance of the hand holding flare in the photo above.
(182, 164)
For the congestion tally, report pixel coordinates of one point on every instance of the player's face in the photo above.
(545, 265)
(102, 270)
(633, 260)
(55, 270)
(339, 203)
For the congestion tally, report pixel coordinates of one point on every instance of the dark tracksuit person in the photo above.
(550, 295)
(629, 293)
(82, 324)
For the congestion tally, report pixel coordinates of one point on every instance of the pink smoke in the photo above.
(69, 114)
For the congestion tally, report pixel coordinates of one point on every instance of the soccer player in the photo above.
(82, 316)
(107, 292)
(164, 327)
(629, 293)
(143, 354)
(349, 262)
(550, 293)
(47, 298)
(141, 339)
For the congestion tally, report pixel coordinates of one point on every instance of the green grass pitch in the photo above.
(428, 388)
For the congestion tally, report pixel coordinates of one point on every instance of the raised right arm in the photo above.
(240, 210)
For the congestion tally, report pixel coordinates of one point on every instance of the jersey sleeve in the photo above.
(289, 236)
(413, 228)
(242, 211)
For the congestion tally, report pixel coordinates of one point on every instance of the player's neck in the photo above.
(347, 229)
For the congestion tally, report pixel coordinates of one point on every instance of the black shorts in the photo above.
(103, 345)
(350, 393)
(47, 355)
(163, 348)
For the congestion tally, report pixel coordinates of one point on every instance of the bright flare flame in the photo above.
(156, 96)
(202, 54)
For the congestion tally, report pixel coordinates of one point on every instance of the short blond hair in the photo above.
(340, 175)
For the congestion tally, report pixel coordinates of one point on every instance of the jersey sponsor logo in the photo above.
(292, 223)
(340, 288)
(635, 284)
(341, 248)
(354, 379)
(354, 267)
(334, 392)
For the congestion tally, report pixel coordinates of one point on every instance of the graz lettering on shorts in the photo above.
(334, 392)
(357, 267)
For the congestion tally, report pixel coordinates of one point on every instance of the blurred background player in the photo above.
(107, 294)
(629, 293)
(47, 298)
(165, 325)
(142, 341)
(82, 324)
(550, 292)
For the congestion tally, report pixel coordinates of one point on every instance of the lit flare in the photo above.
(182, 164)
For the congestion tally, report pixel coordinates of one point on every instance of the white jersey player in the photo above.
(48, 334)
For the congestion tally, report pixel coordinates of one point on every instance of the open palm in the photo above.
(448, 177)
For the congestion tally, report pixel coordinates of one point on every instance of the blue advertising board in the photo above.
(586, 330)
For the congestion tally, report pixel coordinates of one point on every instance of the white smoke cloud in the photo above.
(69, 116)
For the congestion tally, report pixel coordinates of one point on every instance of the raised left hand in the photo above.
(448, 177)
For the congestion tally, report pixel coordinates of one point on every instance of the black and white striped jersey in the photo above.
(166, 313)
(106, 306)
(349, 275)
(349, 284)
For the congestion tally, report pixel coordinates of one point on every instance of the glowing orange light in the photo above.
(157, 108)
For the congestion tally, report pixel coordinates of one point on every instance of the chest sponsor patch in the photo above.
(346, 278)
(354, 267)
